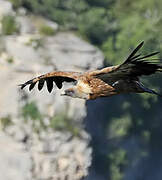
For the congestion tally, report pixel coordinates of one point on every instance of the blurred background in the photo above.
(47, 137)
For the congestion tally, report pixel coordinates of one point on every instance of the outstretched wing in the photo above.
(137, 65)
(57, 76)
(133, 67)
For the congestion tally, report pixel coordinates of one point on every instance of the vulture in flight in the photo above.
(113, 80)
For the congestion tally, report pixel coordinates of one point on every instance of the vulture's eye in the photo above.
(69, 92)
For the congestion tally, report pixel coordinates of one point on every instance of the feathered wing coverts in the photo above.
(93, 84)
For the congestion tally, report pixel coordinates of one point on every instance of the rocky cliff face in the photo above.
(42, 135)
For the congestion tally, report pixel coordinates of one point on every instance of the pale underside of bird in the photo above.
(108, 81)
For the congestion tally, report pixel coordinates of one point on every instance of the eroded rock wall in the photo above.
(42, 135)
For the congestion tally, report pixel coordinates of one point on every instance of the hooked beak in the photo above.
(63, 93)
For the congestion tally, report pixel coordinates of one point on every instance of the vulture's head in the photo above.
(75, 93)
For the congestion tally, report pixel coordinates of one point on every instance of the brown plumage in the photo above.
(108, 81)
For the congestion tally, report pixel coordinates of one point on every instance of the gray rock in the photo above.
(15, 161)
(25, 25)
(51, 24)
(38, 153)
(69, 52)
(5, 8)
(65, 52)
(58, 158)
(21, 11)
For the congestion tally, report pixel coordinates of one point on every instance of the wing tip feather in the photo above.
(25, 84)
(58, 77)
(21, 86)
(130, 57)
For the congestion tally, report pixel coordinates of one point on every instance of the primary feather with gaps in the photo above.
(58, 77)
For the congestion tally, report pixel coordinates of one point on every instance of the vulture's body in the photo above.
(109, 81)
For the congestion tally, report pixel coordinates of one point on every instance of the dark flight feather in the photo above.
(58, 82)
(133, 53)
(134, 57)
(32, 86)
(137, 65)
(99, 83)
(41, 84)
(144, 57)
(133, 67)
(57, 76)
(25, 84)
(49, 82)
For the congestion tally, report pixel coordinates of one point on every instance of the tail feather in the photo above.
(152, 92)
(145, 89)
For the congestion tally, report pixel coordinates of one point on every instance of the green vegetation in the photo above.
(106, 23)
(36, 42)
(16, 3)
(30, 112)
(9, 25)
(10, 60)
(119, 127)
(5, 122)
(116, 27)
(119, 161)
(46, 30)
(61, 122)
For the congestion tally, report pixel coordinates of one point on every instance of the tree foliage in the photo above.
(116, 27)
(9, 25)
